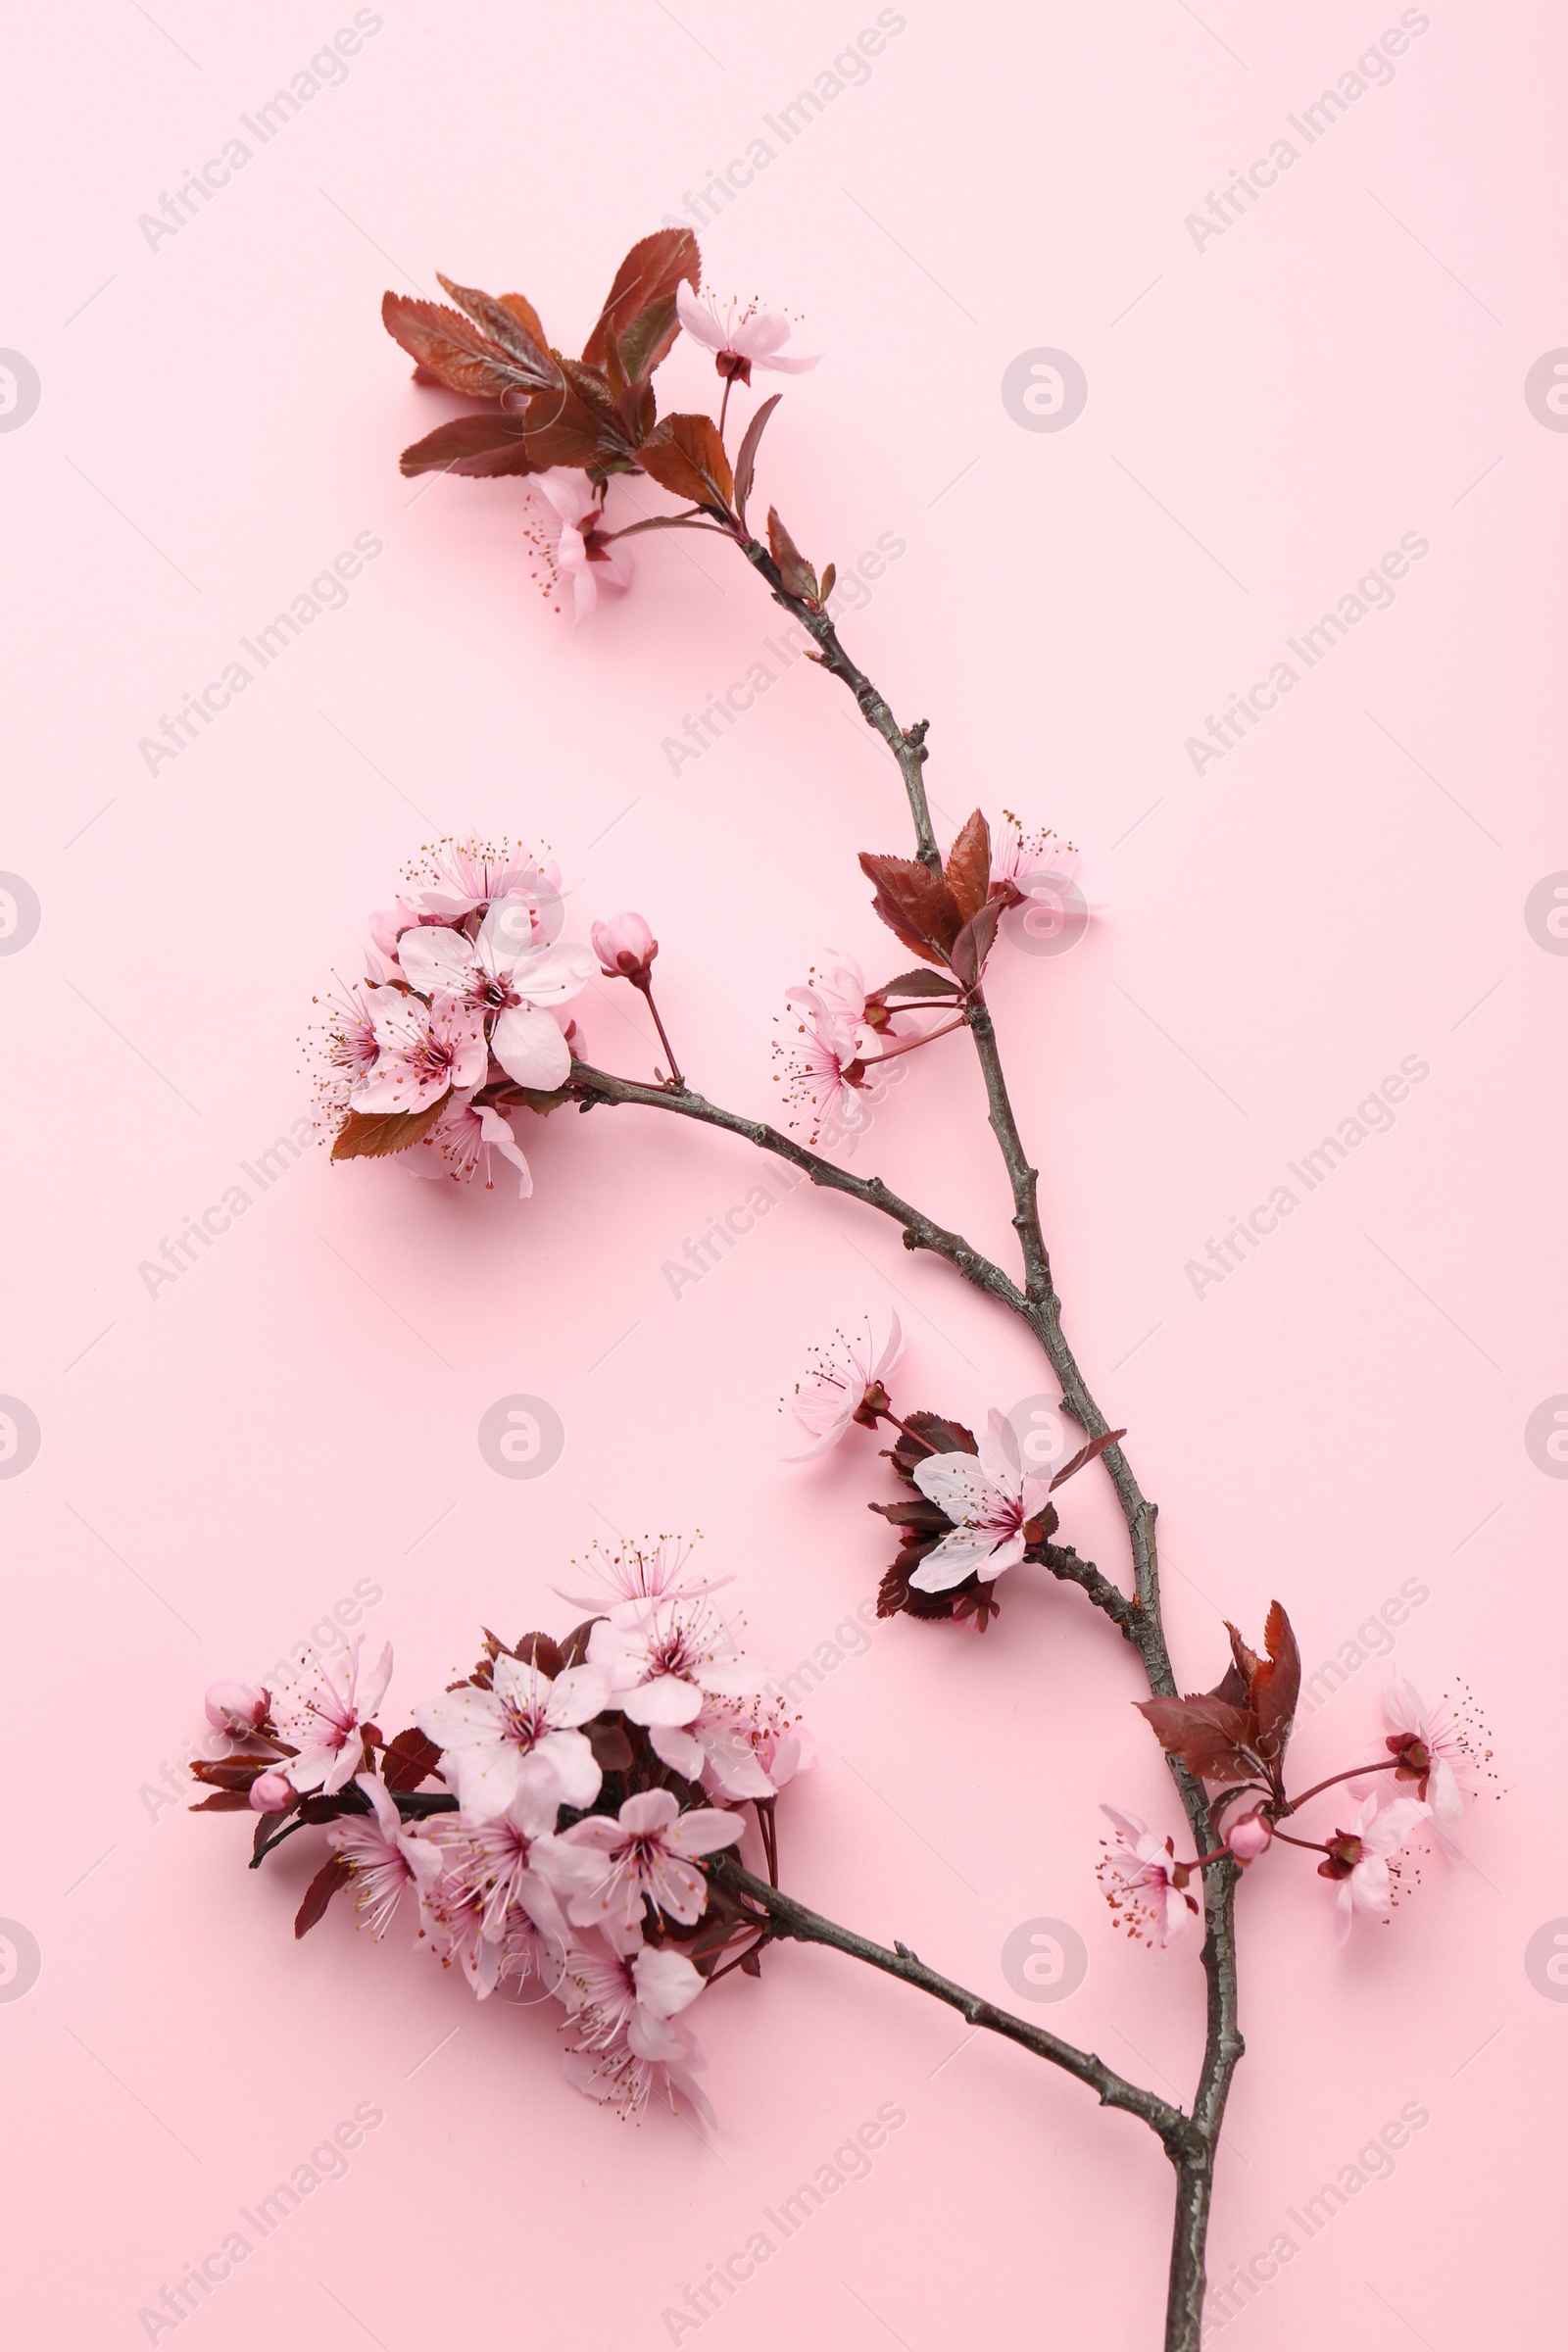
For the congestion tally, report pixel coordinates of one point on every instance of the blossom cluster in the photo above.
(973, 1508)
(1234, 1738)
(548, 1817)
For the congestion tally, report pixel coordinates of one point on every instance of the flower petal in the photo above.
(530, 1048)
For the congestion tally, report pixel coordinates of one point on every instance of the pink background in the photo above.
(220, 1463)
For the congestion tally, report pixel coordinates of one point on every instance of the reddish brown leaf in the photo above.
(574, 1646)
(1211, 1738)
(746, 455)
(237, 1775)
(480, 446)
(795, 574)
(967, 872)
(686, 457)
(830, 574)
(451, 348)
(564, 428)
(1277, 1686)
(513, 325)
(916, 984)
(648, 276)
(937, 1436)
(227, 1800)
(975, 942)
(366, 1134)
(916, 905)
(409, 1759)
(606, 1737)
(319, 1893)
(1085, 1456)
(648, 339)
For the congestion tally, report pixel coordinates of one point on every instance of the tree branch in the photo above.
(906, 743)
(794, 1922)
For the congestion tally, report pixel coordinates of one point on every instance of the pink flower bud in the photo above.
(272, 1793)
(624, 947)
(1250, 1836)
(238, 1708)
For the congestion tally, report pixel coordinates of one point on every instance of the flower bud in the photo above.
(1250, 1836)
(626, 948)
(272, 1793)
(238, 1708)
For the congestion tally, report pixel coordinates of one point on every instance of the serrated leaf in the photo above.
(967, 872)
(372, 1135)
(916, 905)
(686, 457)
(1277, 1686)
(319, 1893)
(920, 984)
(1212, 1739)
(746, 455)
(513, 325)
(1085, 1456)
(648, 276)
(481, 447)
(409, 1759)
(795, 574)
(975, 942)
(451, 348)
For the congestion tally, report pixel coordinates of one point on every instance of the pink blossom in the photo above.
(579, 551)
(823, 1067)
(328, 1722)
(660, 1659)
(1250, 1836)
(463, 1138)
(383, 1855)
(424, 1052)
(464, 877)
(490, 977)
(625, 947)
(844, 1387)
(624, 2042)
(742, 1749)
(614, 1995)
(521, 1733)
(1144, 1883)
(633, 1573)
(741, 339)
(1363, 1862)
(238, 1708)
(992, 1498)
(608, 1869)
(271, 1794)
(485, 1860)
(1016, 854)
(1432, 1751)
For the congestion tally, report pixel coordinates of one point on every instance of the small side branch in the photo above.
(794, 1922)
(906, 743)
